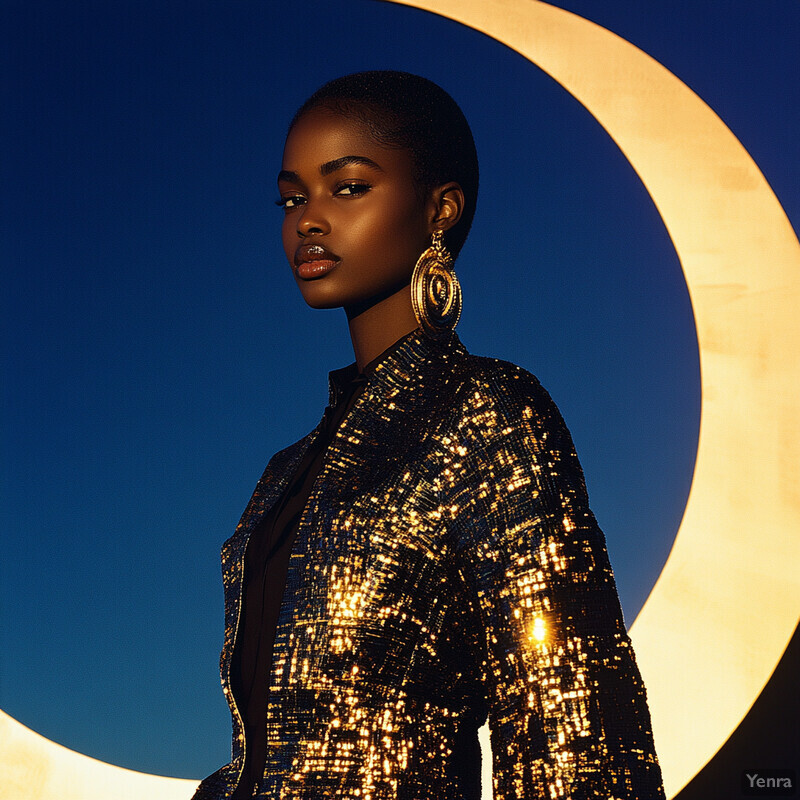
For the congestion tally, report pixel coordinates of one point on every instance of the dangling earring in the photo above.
(435, 292)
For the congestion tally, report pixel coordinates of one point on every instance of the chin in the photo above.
(320, 304)
(318, 296)
(323, 293)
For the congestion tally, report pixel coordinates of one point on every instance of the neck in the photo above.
(377, 326)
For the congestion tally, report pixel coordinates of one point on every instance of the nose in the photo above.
(312, 221)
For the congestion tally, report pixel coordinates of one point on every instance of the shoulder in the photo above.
(501, 393)
(285, 458)
(281, 464)
(290, 453)
(503, 380)
(509, 432)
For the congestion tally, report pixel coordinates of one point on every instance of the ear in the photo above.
(448, 206)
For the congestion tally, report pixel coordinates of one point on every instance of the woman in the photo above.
(425, 557)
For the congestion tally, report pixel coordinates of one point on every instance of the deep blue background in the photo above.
(156, 351)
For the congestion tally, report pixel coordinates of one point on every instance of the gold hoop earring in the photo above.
(435, 291)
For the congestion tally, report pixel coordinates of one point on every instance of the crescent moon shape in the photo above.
(37, 768)
(724, 608)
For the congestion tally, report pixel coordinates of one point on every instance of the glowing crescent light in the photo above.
(36, 768)
(724, 608)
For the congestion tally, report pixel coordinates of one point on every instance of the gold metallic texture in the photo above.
(446, 568)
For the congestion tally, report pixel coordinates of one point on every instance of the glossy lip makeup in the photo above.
(313, 261)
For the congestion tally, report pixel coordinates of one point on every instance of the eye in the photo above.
(353, 188)
(290, 201)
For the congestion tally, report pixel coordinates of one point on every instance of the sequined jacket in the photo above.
(446, 567)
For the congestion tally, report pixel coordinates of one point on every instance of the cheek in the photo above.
(366, 237)
(289, 237)
(395, 232)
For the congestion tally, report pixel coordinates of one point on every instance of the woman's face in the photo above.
(354, 223)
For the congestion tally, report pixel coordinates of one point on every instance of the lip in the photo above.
(313, 261)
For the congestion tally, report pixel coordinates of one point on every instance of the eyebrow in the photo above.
(345, 161)
(331, 166)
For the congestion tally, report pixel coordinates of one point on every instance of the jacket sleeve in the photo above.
(567, 707)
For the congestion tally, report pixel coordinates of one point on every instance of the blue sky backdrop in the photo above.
(156, 352)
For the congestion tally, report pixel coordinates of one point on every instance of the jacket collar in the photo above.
(393, 415)
(402, 367)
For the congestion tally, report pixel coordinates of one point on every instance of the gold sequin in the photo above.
(446, 567)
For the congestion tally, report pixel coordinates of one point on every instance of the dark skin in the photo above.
(355, 224)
